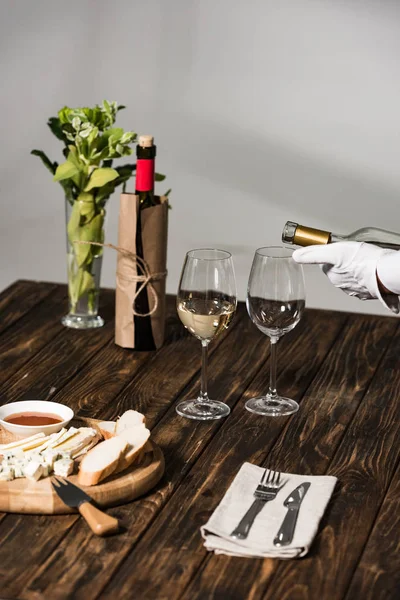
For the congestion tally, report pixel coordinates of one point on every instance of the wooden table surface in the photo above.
(343, 369)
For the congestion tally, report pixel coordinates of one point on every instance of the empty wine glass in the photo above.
(275, 303)
(206, 303)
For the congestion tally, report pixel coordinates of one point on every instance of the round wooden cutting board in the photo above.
(38, 497)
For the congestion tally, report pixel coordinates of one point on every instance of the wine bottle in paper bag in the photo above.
(143, 228)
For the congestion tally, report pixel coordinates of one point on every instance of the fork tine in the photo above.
(262, 481)
(61, 481)
(55, 485)
(269, 476)
(279, 479)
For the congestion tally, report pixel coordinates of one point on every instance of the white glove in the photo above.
(350, 266)
(388, 271)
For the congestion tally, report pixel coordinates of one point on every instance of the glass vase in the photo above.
(85, 223)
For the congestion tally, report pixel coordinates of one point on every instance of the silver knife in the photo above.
(292, 503)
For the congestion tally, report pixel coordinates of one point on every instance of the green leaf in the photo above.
(55, 127)
(82, 253)
(167, 193)
(159, 177)
(90, 232)
(125, 170)
(73, 223)
(87, 283)
(100, 177)
(45, 160)
(86, 205)
(115, 133)
(65, 171)
(73, 158)
(79, 283)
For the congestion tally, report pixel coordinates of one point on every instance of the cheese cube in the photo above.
(7, 474)
(12, 456)
(63, 467)
(19, 467)
(65, 454)
(45, 469)
(49, 457)
(33, 470)
(35, 456)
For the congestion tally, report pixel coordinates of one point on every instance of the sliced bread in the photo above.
(101, 461)
(136, 438)
(107, 429)
(129, 419)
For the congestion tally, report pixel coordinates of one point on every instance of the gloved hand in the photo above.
(350, 266)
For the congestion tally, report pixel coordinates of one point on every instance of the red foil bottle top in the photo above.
(144, 174)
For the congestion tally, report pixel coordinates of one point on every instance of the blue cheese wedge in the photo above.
(63, 467)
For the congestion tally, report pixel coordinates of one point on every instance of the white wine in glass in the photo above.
(206, 304)
(275, 303)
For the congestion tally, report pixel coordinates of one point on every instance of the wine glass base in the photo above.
(203, 411)
(269, 406)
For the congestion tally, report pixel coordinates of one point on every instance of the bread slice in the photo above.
(137, 438)
(107, 429)
(101, 461)
(129, 419)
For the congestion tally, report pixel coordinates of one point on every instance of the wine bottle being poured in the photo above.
(299, 235)
(145, 165)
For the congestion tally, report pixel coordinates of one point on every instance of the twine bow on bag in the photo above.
(146, 279)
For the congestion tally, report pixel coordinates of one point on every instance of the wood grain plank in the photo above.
(183, 441)
(104, 368)
(19, 298)
(86, 397)
(364, 463)
(58, 357)
(306, 446)
(377, 576)
(20, 343)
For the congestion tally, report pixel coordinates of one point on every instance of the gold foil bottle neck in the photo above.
(306, 236)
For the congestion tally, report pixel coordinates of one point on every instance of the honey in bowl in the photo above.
(33, 419)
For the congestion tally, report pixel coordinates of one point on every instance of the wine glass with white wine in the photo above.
(275, 303)
(206, 303)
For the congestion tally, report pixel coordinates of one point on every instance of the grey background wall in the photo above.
(262, 110)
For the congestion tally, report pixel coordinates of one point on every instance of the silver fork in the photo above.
(266, 491)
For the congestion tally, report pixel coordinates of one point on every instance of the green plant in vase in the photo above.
(91, 144)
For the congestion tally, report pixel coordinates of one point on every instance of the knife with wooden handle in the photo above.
(99, 522)
(292, 503)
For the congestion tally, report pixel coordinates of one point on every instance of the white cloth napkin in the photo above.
(259, 543)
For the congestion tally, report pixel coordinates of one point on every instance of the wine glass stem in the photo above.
(204, 364)
(272, 376)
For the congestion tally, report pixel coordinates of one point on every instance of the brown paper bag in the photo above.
(154, 230)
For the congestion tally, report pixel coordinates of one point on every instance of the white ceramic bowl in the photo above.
(37, 406)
